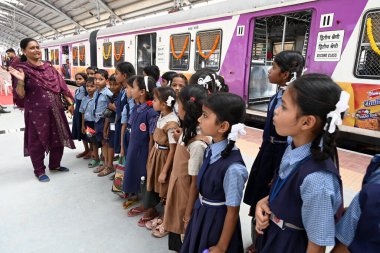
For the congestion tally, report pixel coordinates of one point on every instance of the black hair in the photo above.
(126, 68)
(112, 78)
(290, 61)
(152, 71)
(317, 95)
(209, 80)
(227, 107)
(163, 94)
(83, 75)
(10, 50)
(168, 76)
(94, 68)
(90, 80)
(23, 45)
(102, 72)
(140, 80)
(192, 98)
(130, 81)
(222, 84)
(180, 75)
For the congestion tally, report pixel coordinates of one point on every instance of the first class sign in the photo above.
(329, 46)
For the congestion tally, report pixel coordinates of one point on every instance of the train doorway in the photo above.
(272, 35)
(146, 51)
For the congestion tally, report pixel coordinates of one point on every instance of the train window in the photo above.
(146, 51)
(368, 55)
(118, 53)
(208, 49)
(46, 54)
(75, 56)
(82, 56)
(179, 51)
(56, 57)
(107, 51)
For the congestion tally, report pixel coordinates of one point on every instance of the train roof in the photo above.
(71, 39)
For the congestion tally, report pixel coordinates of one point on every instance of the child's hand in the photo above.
(112, 106)
(262, 215)
(162, 178)
(83, 130)
(216, 249)
(122, 151)
(105, 134)
(177, 133)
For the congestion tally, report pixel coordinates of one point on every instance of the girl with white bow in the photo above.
(305, 199)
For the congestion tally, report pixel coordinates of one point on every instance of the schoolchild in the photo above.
(109, 126)
(125, 115)
(167, 77)
(358, 230)
(188, 158)
(123, 71)
(154, 72)
(143, 122)
(209, 80)
(215, 223)
(88, 119)
(90, 71)
(101, 103)
(305, 199)
(286, 65)
(178, 82)
(160, 159)
(80, 93)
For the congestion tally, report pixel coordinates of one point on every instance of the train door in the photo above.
(271, 35)
(146, 51)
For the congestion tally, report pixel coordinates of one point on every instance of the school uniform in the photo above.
(142, 122)
(120, 103)
(305, 200)
(267, 160)
(112, 124)
(76, 129)
(125, 115)
(87, 109)
(101, 103)
(220, 183)
(359, 228)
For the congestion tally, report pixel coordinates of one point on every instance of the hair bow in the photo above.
(341, 106)
(204, 81)
(146, 81)
(294, 77)
(169, 101)
(236, 130)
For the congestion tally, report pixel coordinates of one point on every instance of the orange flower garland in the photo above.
(82, 54)
(183, 49)
(121, 49)
(51, 55)
(56, 52)
(107, 56)
(212, 50)
(75, 54)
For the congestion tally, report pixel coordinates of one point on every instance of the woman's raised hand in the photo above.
(19, 74)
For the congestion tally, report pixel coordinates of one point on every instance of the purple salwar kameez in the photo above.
(46, 126)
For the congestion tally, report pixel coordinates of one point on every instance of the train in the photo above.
(239, 39)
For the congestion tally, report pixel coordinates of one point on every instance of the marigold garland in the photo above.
(51, 55)
(371, 38)
(183, 49)
(82, 54)
(121, 49)
(56, 52)
(212, 50)
(75, 54)
(107, 56)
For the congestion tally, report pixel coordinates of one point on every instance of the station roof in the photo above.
(47, 19)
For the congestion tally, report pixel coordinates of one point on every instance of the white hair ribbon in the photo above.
(146, 79)
(335, 115)
(169, 101)
(294, 77)
(169, 83)
(236, 130)
(303, 71)
(204, 81)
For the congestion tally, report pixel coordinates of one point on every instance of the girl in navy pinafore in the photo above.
(285, 66)
(221, 179)
(305, 199)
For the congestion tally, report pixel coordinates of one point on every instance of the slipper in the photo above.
(152, 224)
(106, 171)
(93, 163)
(43, 178)
(143, 220)
(99, 169)
(130, 202)
(160, 231)
(135, 211)
(60, 169)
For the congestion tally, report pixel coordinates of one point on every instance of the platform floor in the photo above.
(77, 212)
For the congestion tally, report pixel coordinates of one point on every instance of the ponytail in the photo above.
(23, 58)
(226, 152)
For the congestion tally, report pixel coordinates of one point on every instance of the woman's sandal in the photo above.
(135, 211)
(99, 169)
(93, 163)
(152, 224)
(160, 231)
(60, 169)
(107, 170)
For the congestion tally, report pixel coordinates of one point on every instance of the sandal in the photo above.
(160, 231)
(60, 169)
(80, 155)
(143, 220)
(87, 156)
(107, 170)
(99, 169)
(93, 163)
(135, 211)
(43, 178)
(152, 224)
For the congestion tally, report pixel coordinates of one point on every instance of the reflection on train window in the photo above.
(46, 54)
(368, 57)
(56, 57)
(179, 51)
(208, 49)
(75, 56)
(118, 53)
(146, 51)
(107, 54)
(82, 56)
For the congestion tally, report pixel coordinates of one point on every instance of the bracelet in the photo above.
(70, 104)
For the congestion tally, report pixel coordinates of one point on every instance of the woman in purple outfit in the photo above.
(46, 126)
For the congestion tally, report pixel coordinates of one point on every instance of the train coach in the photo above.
(239, 40)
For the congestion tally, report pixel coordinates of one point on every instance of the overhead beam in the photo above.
(22, 25)
(108, 9)
(13, 31)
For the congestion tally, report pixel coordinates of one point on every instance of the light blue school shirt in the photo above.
(87, 107)
(80, 93)
(102, 102)
(124, 113)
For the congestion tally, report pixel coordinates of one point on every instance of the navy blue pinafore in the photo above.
(138, 147)
(120, 102)
(286, 204)
(206, 223)
(367, 234)
(76, 129)
(267, 160)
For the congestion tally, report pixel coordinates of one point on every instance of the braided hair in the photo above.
(290, 61)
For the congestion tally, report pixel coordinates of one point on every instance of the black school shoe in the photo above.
(60, 169)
